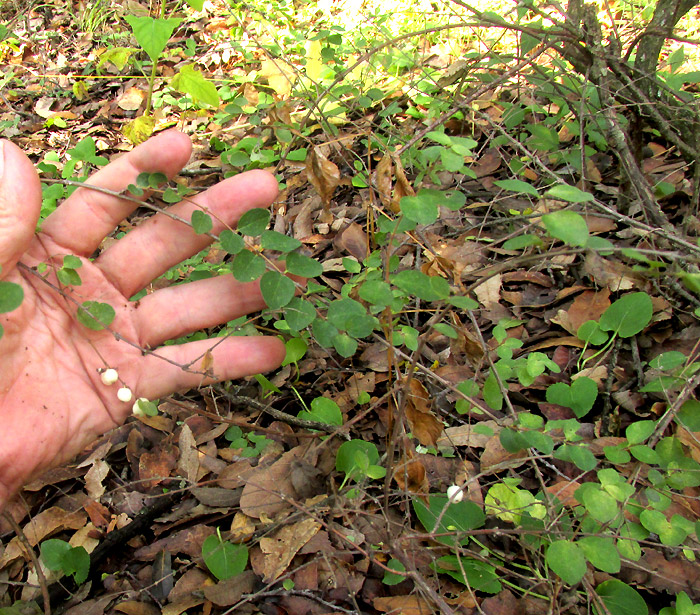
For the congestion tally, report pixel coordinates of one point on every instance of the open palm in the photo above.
(52, 399)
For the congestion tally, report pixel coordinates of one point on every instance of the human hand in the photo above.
(52, 400)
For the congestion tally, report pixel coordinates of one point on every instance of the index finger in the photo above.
(87, 216)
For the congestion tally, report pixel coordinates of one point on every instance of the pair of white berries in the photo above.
(109, 377)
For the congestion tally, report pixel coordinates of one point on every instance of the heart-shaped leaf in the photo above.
(580, 396)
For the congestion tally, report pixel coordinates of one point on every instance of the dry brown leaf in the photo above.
(188, 462)
(182, 605)
(132, 607)
(352, 240)
(229, 592)
(242, 528)
(403, 605)
(564, 491)
(193, 580)
(156, 466)
(464, 435)
(323, 175)
(382, 180)
(269, 489)
(410, 476)
(280, 548)
(94, 477)
(132, 99)
(421, 421)
(612, 274)
(496, 458)
(489, 292)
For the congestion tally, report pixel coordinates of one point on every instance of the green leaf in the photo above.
(201, 222)
(72, 262)
(247, 266)
(349, 315)
(69, 277)
(572, 194)
(376, 292)
(52, 552)
(463, 303)
(296, 349)
(522, 241)
(11, 296)
(689, 415)
(581, 456)
(601, 552)
(601, 506)
(323, 410)
(620, 599)
(628, 315)
(95, 315)
(639, 431)
(492, 392)
(517, 185)
(190, 81)
(568, 226)
(355, 457)
(391, 578)
(425, 287)
(76, 562)
(445, 517)
(232, 242)
(580, 396)
(302, 265)
(476, 575)
(197, 5)
(566, 559)
(224, 559)
(253, 222)
(272, 240)
(420, 210)
(591, 333)
(277, 289)
(299, 313)
(345, 345)
(324, 332)
(152, 34)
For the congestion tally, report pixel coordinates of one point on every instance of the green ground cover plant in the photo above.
(484, 267)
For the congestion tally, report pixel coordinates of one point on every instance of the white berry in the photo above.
(109, 376)
(136, 408)
(124, 394)
(455, 494)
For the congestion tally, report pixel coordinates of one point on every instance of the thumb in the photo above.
(20, 203)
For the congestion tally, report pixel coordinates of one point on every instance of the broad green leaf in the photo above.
(620, 599)
(299, 313)
(272, 240)
(591, 332)
(11, 296)
(232, 242)
(72, 262)
(517, 185)
(463, 303)
(152, 34)
(354, 458)
(572, 194)
(253, 222)
(601, 506)
(201, 222)
(68, 277)
(566, 559)
(580, 396)
(52, 552)
(689, 415)
(349, 315)
(95, 315)
(302, 265)
(425, 287)
(376, 292)
(345, 345)
(190, 81)
(601, 552)
(139, 129)
(277, 289)
(419, 210)
(581, 456)
(628, 315)
(391, 578)
(296, 349)
(639, 431)
(323, 410)
(446, 518)
(324, 332)
(197, 5)
(224, 559)
(522, 241)
(247, 266)
(476, 575)
(492, 392)
(118, 56)
(668, 360)
(76, 561)
(567, 226)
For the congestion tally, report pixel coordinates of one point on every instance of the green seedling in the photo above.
(223, 558)
(58, 555)
(358, 459)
